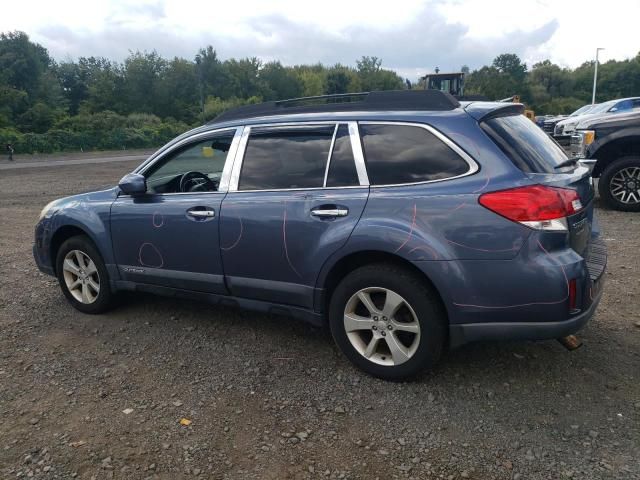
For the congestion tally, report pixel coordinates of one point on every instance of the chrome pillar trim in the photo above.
(358, 154)
(237, 162)
(333, 142)
(228, 164)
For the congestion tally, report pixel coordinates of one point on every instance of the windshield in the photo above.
(602, 107)
(582, 110)
(526, 145)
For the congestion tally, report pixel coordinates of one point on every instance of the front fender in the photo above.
(89, 213)
(595, 150)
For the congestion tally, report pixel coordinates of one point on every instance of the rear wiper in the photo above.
(569, 162)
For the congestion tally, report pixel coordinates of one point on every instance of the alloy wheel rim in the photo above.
(625, 185)
(381, 326)
(81, 276)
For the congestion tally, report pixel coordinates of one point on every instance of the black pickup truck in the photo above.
(612, 145)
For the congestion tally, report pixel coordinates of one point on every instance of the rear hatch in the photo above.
(546, 163)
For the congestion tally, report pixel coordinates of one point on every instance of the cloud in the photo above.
(419, 45)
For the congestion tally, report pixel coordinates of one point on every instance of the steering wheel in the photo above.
(197, 182)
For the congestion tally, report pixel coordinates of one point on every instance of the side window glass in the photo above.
(342, 168)
(197, 167)
(286, 157)
(624, 105)
(397, 154)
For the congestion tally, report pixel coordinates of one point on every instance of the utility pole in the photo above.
(199, 67)
(595, 77)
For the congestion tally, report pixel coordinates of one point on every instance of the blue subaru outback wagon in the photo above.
(405, 221)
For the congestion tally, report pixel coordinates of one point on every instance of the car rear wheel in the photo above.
(619, 184)
(83, 276)
(387, 321)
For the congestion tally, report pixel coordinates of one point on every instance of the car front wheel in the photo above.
(619, 184)
(83, 276)
(387, 321)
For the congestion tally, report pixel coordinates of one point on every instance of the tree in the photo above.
(511, 65)
(242, 78)
(373, 77)
(279, 82)
(176, 91)
(93, 102)
(142, 73)
(337, 81)
(22, 62)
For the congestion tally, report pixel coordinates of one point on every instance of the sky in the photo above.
(411, 37)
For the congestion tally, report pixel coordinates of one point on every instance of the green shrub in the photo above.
(99, 131)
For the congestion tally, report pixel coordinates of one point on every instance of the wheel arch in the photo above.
(62, 234)
(333, 274)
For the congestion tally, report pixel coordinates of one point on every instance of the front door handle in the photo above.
(201, 213)
(330, 212)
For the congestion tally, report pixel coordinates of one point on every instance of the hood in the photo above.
(603, 120)
(579, 118)
(555, 118)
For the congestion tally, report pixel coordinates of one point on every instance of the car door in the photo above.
(169, 236)
(289, 208)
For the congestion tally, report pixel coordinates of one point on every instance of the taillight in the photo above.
(536, 206)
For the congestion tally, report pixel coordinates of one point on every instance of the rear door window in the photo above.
(528, 147)
(400, 154)
(286, 157)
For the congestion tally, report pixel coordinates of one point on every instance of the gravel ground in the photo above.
(102, 396)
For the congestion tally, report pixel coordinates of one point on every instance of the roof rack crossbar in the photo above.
(388, 100)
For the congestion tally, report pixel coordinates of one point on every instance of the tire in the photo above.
(625, 175)
(419, 306)
(83, 296)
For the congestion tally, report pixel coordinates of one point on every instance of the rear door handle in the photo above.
(201, 213)
(330, 212)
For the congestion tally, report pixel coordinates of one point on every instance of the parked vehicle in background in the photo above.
(550, 124)
(565, 128)
(611, 145)
(540, 119)
(405, 221)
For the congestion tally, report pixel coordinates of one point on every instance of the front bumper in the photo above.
(43, 260)
(41, 263)
(563, 140)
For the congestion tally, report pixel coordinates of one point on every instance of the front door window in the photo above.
(197, 167)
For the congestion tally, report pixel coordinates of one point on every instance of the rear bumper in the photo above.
(475, 332)
(595, 266)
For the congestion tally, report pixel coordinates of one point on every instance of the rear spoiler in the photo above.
(485, 110)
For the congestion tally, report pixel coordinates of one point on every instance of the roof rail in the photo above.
(408, 100)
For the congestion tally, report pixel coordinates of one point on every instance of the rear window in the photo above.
(528, 147)
(397, 154)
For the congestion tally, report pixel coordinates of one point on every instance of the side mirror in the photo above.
(133, 184)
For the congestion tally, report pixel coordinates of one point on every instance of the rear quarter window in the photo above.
(398, 154)
(524, 143)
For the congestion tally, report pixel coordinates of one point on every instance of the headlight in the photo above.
(580, 140)
(46, 209)
(588, 136)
